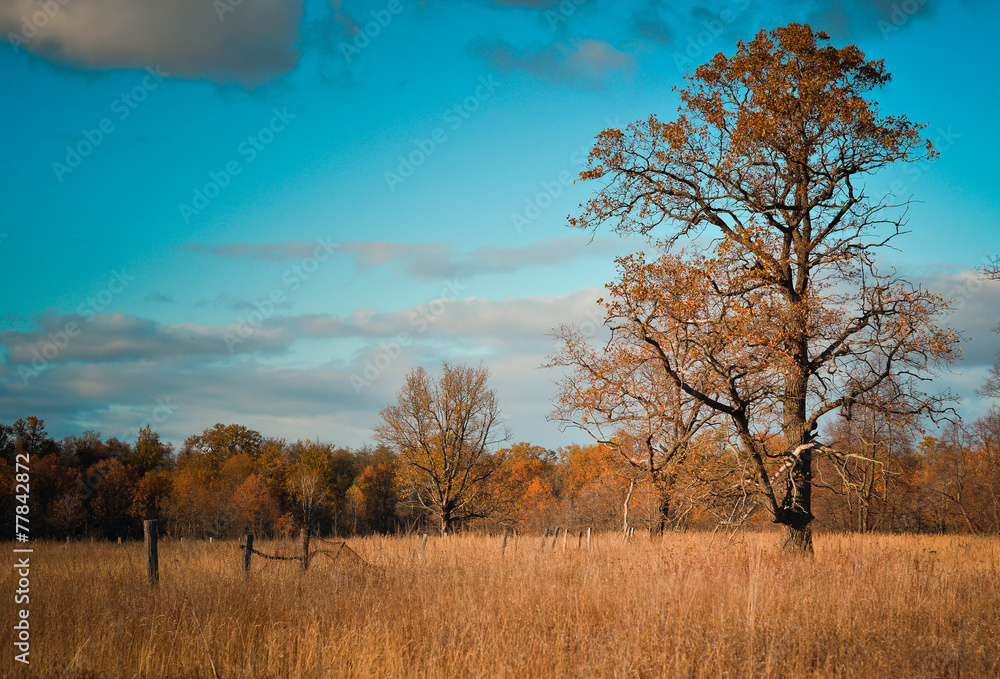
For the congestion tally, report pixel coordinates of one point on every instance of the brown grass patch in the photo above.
(680, 606)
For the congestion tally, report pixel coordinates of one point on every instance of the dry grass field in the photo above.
(680, 606)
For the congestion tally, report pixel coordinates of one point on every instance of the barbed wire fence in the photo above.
(305, 554)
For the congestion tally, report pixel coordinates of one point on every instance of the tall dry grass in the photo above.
(680, 606)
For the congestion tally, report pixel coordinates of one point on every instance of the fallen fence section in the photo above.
(342, 550)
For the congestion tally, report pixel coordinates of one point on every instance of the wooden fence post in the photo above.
(149, 529)
(555, 537)
(247, 553)
(579, 541)
(304, 535)
(503, 545)
(588, 538)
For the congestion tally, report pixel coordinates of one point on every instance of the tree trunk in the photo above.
(625, 506)
(798, 540)
(662, 520)
(795, 512)
(445, 520)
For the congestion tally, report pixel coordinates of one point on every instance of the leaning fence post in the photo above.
(305, 548)
(247, 553)
(565, 533)
(503, 545)
(555, 537)
(152, 559)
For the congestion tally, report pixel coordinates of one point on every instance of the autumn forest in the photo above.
(230, 480)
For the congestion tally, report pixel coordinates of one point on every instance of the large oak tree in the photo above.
(768, 290)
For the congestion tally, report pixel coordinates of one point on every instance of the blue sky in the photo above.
(266, 212)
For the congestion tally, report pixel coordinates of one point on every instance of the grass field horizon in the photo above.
(681, 605)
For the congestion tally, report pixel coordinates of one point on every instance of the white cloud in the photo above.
(427, 261)
(589, 61)
(115, 337)
(976, 304)
(471, 321)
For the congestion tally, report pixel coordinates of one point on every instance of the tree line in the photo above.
(230, 480)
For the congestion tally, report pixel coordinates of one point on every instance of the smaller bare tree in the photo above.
(308, 489)
(444, 432)
(621, 399)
